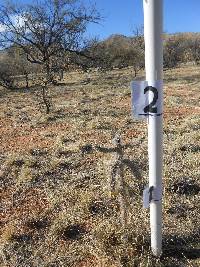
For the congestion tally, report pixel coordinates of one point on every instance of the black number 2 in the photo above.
(150, 108)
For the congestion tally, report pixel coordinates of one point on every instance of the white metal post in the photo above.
(153, 20)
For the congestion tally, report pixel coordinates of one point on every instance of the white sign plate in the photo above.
(151, 194)
(147, 98)
(146, 202)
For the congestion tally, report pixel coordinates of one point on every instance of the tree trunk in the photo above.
(135, 70)
(27, 81)
(45, 99)
(61, 74)
(48, 73)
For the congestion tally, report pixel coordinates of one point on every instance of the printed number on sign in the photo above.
(150, 108)
(147, 99)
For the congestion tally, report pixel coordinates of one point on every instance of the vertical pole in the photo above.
(153, 20)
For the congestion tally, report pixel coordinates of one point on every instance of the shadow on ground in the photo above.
(182, 247)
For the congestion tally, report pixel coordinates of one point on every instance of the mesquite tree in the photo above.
(48, 31)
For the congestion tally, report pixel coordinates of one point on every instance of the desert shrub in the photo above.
(119, 51)
(6, 73)
(181, 48)
(173, 52)
(195, 50)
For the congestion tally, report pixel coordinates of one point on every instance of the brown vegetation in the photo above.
(57, 207)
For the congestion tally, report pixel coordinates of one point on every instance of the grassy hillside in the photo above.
(66, 202)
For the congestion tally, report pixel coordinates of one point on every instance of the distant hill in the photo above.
(124, 41)
(117, 39)
(120, 51)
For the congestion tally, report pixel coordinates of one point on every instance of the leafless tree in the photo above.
(138, 49)
(47, 31)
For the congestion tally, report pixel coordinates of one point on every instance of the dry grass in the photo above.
(56, 202)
